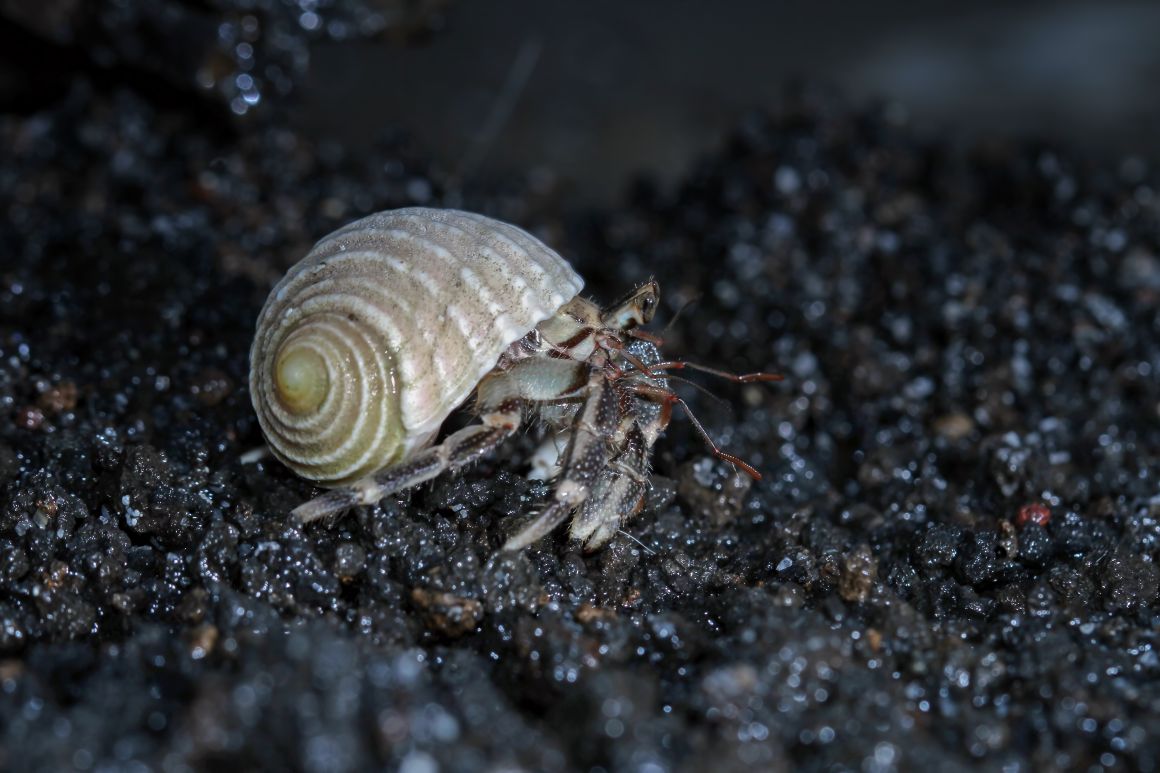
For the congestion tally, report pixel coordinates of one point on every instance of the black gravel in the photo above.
(221, 57)
(951, 559)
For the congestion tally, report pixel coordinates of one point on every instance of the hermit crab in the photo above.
(390, 323)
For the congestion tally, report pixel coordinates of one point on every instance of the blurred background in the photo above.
(593, 89)
(583, 95)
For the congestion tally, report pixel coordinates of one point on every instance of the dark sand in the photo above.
(965, 333)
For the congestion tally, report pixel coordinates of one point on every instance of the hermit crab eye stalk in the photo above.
(649, 300)
(636, 308)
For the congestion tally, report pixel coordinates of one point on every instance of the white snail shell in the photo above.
(386, 326)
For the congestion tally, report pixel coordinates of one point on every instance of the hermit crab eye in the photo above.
(648, 305)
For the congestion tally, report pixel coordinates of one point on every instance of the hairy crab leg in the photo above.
(668, 397)
(459, 449)
(617, 495)
(584, 460)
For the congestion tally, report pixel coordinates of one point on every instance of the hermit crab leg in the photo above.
(584, 459)
(458, 450)
(668, 397)
(502, 397)
(618, 493)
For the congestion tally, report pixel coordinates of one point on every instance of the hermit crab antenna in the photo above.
(658, 339)
(713, 448)
(740, 378)
(681, 310)
(669, 377)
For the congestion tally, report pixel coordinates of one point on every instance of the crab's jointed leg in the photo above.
(503, 396)
(584, 459)
(459, 449)
(618, 493)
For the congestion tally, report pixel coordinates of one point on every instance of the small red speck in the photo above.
(1037, 513)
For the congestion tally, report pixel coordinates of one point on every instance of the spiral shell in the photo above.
(388, 324)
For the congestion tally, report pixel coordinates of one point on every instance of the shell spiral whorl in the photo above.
(387, 325)
(325, 376)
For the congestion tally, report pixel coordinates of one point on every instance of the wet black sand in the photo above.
(965, 333)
